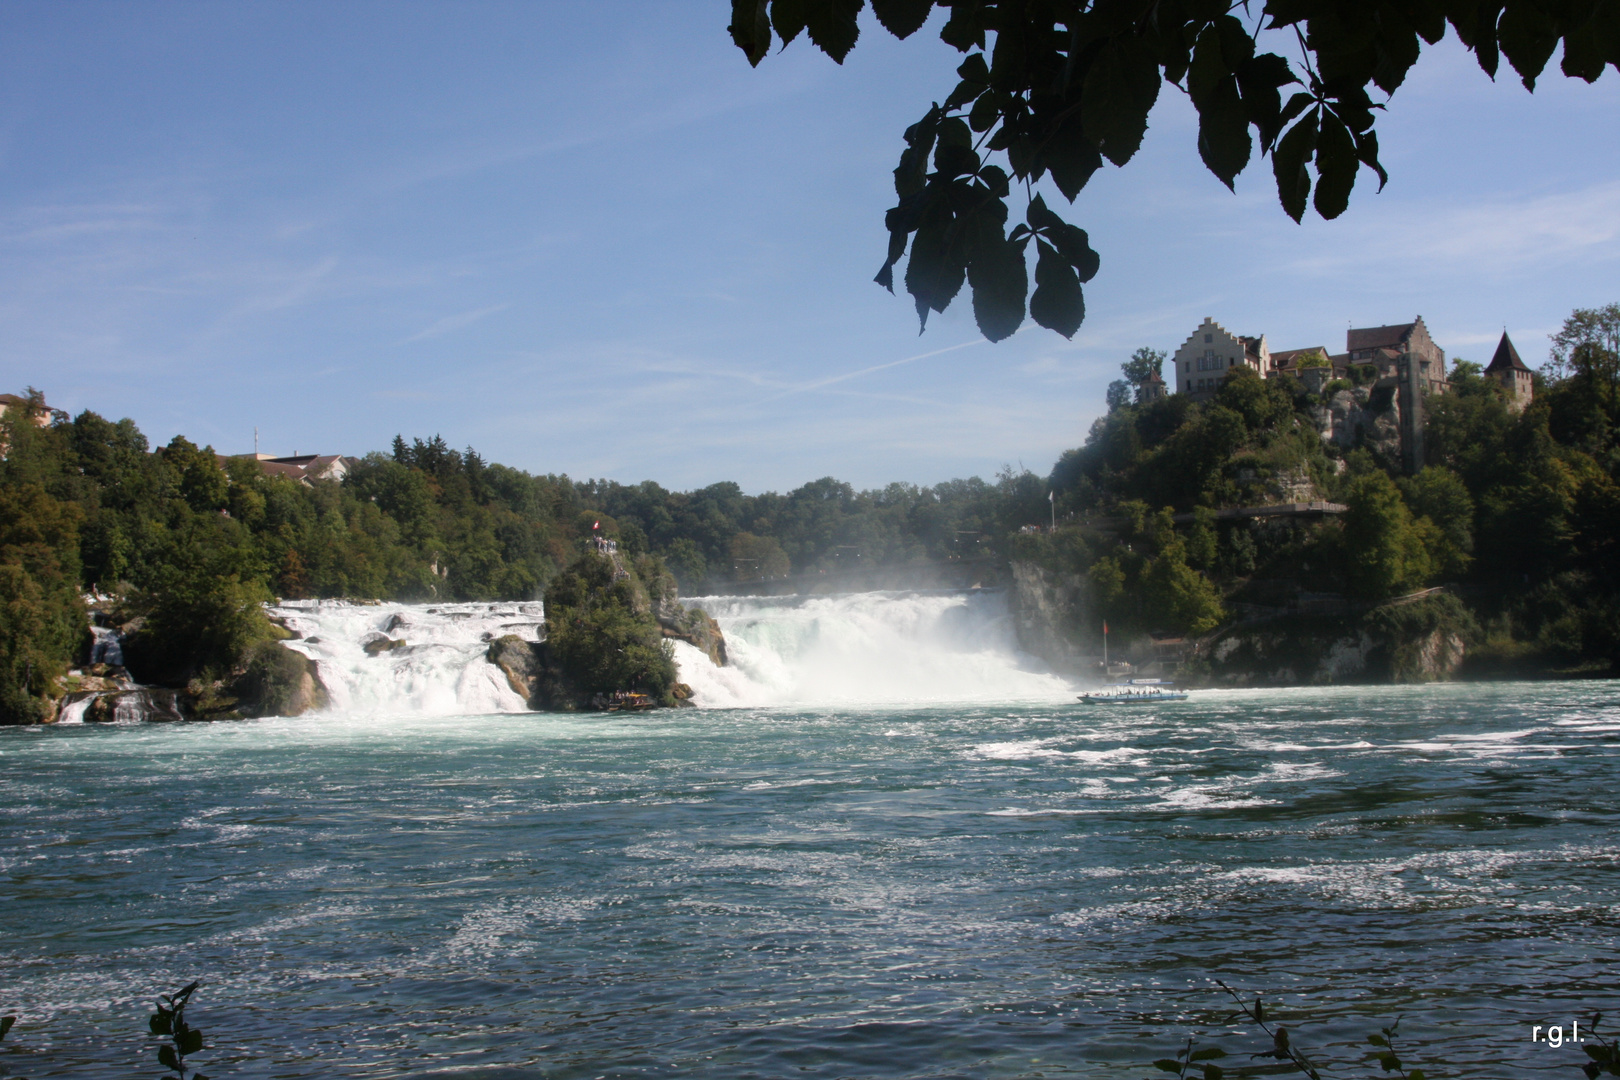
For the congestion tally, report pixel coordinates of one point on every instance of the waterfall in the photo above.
(106, 647)
(872, 647)
(875, 647)
(425, 659)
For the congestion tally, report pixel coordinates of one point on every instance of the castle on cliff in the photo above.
(1379, 382)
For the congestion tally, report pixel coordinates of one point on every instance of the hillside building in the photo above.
(1506, 368)
(1212, 353)
(1391, 348)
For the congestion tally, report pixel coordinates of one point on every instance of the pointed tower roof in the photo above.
(1506, 358)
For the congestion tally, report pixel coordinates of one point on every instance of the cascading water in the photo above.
(865, 647)
(861, 647)
(424, 659)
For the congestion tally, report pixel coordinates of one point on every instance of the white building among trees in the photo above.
(1213, 352)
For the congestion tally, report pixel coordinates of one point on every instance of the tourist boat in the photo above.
(1135, 692)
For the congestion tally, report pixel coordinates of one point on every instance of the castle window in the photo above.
(1208, 338)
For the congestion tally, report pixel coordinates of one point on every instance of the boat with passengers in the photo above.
(1135, 692)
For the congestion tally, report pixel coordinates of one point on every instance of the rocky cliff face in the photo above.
(1313, 650)
(1420, 642)
(1050, 610)
(1363, 416)
(693, 626)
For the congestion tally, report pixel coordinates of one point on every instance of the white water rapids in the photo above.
(876, 648)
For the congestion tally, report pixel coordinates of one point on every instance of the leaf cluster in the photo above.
(1050, 89)
(183, 1040)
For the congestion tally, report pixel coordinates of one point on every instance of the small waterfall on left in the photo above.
(108, 695)
(421, 659)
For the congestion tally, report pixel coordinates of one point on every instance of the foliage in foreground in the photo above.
(1050, 90)
(170, 1022)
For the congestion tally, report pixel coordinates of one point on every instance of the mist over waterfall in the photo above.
(875, 647)
(426, 659)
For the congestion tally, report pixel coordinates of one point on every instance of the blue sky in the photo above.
(589, 239)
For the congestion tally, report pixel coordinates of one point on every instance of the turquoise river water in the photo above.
(1026, 889)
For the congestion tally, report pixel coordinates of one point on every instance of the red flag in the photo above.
(596, 525)
(1105, 626)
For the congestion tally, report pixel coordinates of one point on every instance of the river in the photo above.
(848, 865)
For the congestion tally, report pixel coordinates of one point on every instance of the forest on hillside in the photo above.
(1516, 511)
(191, 545)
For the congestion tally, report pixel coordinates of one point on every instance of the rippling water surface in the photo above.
(986, 891)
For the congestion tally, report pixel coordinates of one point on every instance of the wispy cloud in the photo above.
(822, 384)
(451, 323)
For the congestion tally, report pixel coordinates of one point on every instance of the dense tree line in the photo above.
(1518, 509)
(192, 545)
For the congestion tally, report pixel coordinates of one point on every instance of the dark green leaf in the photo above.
(1296, 105)
(1167, 1065)
(897, 248)
(1528, 37)
(955, 132)
(1260, 80)
(1480, 34)
(1367, 154)
(995, 180)
(934, 273)
(1070, 157)
(902, 18)
(159, 1024)
(1416, 1074)
(1075, 247)
(974, 70)
(167, 1058)
(1597, 1053)
(1336, 166)
(912, 173)
(1288, 160)
(1388, 1062)
(1213, 1072)
(751, 28)
(832, 25)
(1223, 132)
(787, 19)
(952, 161)
(1070, 241)
(1377, 1040)
(965, 28)
(964, 93)
(982, 117)
(1058, 302)
(1120, 89)
(5, 1024)
(1236, 44)
(190, 1042)
(198, 1076)
(1207, 1053)
(1000, 281)
(1583, 51)
(1592, 1070)
(1208, 66)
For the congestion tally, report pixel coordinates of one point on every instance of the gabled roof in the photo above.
(1377, 337)
(1380, 337)
(1287, 357)
(1506, 358)
(7, 400)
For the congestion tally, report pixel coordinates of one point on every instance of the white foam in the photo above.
(441, 671)
(869, 648)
